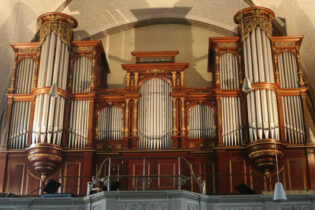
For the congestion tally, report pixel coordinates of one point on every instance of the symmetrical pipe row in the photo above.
(293, 119)
(110, 124)
(82, 75)
(49, 111)
(231, 121)
(201, 122)
(24, 76)
(288, 69)
(229, 71)
(262, 105)
(155, 115)
(20, 117)
(78, 127)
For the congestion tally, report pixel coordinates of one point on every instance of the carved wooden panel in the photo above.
(237, 173)
(166, 169)
(296, 173)
(137, 173)
(15, 180)
(209, 172)
(72, 173)
(32, 186)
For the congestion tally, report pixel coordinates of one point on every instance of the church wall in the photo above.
(191, 41)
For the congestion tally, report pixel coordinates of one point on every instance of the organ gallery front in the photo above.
(63, 123)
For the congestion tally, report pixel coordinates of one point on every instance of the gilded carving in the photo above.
(28, 50)
(82, 48)
(226, 44)
(64, 32)
(284, 44)
(250, 19)
(57, 23)
(248, 25)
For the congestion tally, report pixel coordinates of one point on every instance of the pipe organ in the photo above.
(63, 121)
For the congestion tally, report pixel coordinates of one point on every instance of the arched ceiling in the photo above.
(98, 18)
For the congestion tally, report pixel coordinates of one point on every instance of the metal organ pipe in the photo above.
(110, 124)
(48, 117)
(201, 122)
(79, 114)
(292, 107)
(262, 106)
(20, 114)
(155, 115)
(231, 107)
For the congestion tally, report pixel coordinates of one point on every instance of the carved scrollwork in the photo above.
(253, 17)
(58, 23)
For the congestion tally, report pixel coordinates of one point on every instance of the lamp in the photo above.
(53, 91)
(279, 194)
(247, 87)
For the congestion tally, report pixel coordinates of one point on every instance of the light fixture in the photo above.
(247, 87)
(279, 194)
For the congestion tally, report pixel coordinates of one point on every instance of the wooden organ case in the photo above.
(62, 121)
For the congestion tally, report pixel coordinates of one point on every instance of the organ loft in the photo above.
(249, 128)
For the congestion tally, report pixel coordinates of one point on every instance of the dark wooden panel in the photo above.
(32, 184)
(3, 162)
(72, 173)
(15, 178)
(236, 168)
(137, 172)
(209, 172)
(166, 169)
(296, 172)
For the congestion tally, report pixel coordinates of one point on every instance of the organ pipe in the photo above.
(110, 124)
(261, 104)
(201, 122)
(20, 115)
(231, 107)
(25, 76)
(55, 36)
(155, 115)
(291, 105)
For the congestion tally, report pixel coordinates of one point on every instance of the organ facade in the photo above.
(63, 122)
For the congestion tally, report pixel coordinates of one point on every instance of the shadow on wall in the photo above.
(13, 29)
(118, 45)
(170, 39)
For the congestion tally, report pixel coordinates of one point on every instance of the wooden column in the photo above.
(310, 159)
(219, 120)
(135, 115)
(3, 168)
(175, 130)
(126, 130)
(183, 116)
(12, 81)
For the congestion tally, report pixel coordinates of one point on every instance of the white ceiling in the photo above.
(96, 18)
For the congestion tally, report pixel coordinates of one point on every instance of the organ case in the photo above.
(63, 121)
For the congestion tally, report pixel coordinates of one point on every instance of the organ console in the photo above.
(228, 136)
